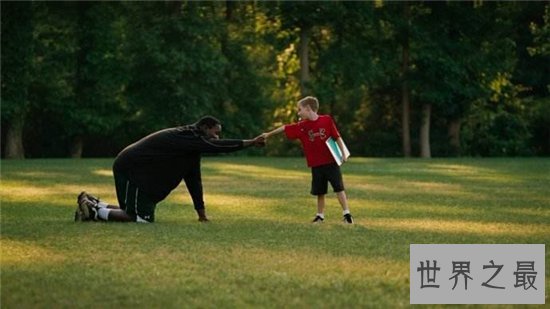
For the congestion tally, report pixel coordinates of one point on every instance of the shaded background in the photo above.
(84, 79)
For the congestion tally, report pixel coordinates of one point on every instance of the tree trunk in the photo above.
(14, 138)
(425, 151)
(83, 82)
(17, 51)
(77, 145)
(453, 132)
(405, 102)
(229, 8)
(405, 119)
(305, 34)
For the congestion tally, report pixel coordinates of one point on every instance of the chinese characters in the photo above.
(525, 274)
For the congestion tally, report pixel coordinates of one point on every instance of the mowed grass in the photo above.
(259, 250)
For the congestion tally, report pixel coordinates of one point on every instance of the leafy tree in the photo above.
(78, 76)
(51, 89)
(17, 28)
(541, 35)
(99, 74)
(500, 125)
(301, 17)
(405, 89)
(455, 56)
(458, 77)
(176, 65)
(347, 67)
(244, 103)
(290, 73)
(540, 115)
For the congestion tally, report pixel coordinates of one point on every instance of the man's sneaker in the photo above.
(78, 215)
(348, 219)
(87, 208)
(93, 209)
(82, 209)
(90, 197)
(318, 219)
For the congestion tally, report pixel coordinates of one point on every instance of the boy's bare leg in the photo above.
(321, 204)
(320, 216)
(342, 198)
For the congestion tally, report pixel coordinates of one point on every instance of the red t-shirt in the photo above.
(313, 135)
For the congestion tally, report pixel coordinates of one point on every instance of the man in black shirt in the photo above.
(148, 170)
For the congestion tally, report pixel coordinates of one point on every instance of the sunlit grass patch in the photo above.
(19, 253)
(260, 249)
(103, 172)
(463, 227)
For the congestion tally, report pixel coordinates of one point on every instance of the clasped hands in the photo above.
(260, 140)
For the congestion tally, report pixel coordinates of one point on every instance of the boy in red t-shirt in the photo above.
(313, 130)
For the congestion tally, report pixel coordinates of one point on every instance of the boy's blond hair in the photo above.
(310, 101)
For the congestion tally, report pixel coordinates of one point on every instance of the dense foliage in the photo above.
(400, 78)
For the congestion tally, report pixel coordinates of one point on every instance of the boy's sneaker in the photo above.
(348, 219)
(318, 219)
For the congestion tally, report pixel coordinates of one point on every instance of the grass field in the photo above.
(259, 250)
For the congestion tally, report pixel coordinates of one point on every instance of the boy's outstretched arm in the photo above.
(276, 131)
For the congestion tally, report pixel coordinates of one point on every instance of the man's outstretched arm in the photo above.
(205, 145)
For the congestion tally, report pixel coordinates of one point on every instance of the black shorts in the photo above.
(322, 175)
(134, 201)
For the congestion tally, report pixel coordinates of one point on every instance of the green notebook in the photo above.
(336, 152)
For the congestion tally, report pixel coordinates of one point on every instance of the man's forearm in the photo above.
(259, 141)
(219, 145)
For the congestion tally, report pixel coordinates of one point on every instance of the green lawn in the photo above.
(259, 250)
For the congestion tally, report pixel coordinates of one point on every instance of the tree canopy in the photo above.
(400, 78)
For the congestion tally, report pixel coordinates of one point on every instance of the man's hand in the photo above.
(202, 215)
(259, 141)
(203, 219)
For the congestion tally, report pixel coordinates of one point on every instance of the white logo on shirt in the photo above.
(321, 134)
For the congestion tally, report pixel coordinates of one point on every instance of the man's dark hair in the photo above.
(207, 122)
